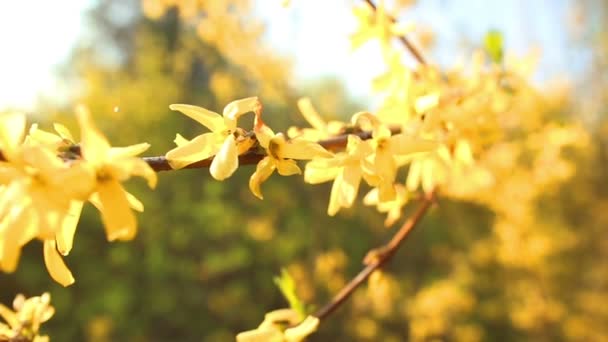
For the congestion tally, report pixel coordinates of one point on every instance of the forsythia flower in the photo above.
(23, 324)
(376, 24)
(346, 168)
(280, 156)
(393, 208)
(270, 330)
(225, 141)
(389, 150)
(110, 166)
(37, 198)
(320, 130)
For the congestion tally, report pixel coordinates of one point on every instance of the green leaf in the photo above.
(287, 285)
(493, 44)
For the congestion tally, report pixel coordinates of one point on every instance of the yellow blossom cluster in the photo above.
(23, 324)
(43, 186)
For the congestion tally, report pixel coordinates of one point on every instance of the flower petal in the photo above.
(180, 140)
(288, 167)
(65, 235)
(55, 265)
(94, 146)
(199, 148)
(234, 109)
(263, 170)
(310, 114)
(260, 336)
(12, 129)
(128, 151)
(305, 328)
(205, 117)
(303, 149)
(316, 173)
(226, 161)
(134, 203)
(116, 214)
(344, 190)
(402, 144)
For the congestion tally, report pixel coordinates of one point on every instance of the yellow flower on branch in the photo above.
(280, 155)
(225, 141)
(320, 129)
(111, 166)
(272, 328)
(39, 196)
(376, 24)
(389, 152)
(23, 324)
(393, 209)
(346, 169)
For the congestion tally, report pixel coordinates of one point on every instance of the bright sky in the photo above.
(36, 37)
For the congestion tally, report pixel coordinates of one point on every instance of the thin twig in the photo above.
(403, 39)
(376, 258)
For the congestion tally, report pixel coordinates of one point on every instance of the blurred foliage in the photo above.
(202, 265)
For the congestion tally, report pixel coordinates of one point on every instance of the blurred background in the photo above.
(201, 267)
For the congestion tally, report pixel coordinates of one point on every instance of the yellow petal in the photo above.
(12, 129)
(235, 109)
(134, 203)
(93, 146)
(116, 214)
(128, 151)
(427, 102)
(262, 171)
(205, 117)
(402, 144)
(281, 316)
(63, 132)
(226, 161)
(288, 167)
(137, 167)
(371, 198)
(45, 138)
(199, 148)
(260, 336)
(299, 332)
(180, 140)
(55, 265)
(316, 173)
(264, 134)
(9, 316)
(344, 190)
(310, 114)
(414, 175)
(303, 149)
(65, 235)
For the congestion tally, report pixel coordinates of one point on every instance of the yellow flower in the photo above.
(271, 328)
(37, 198)
(280, 156)
(225, 141)
(320, 130)
(389, 151)
(111, 166)
(346, 169)
(376, 24)
(392, 208)
(23, 324)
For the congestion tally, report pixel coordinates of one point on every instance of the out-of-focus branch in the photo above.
(376, 258)
(413, 50)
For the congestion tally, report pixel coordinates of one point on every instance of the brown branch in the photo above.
(376, 258)
(252, 157)
(403, 39)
